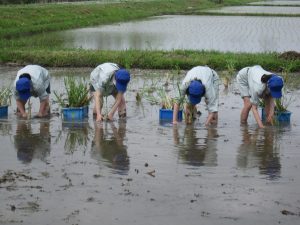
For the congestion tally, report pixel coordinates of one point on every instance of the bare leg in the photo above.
(246, 109)
(44, 108)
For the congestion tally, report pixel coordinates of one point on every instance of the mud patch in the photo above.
(290, 55)
(11, 176)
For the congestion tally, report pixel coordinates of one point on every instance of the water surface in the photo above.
(283, 2)
(137, 171)
(259, 9)
(221, 33)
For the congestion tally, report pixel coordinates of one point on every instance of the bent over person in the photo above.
(32, 80)
(256, 83)
(200, 81)
(109, 79)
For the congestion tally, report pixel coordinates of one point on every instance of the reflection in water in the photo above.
(93, 39)
(77, 136)
(108, 146)
(259, 148)
(5, 128)
(220, 33)
(197, 151)
(30, 144)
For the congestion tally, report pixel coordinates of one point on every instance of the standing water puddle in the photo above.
(138, 171)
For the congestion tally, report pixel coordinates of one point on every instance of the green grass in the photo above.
(25, 37)
(19, 20)
(182, 59)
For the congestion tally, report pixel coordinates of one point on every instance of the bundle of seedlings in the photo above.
(5, 96)
(77, 93)
(160, 97)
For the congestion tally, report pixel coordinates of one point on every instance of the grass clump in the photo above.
(77, 93)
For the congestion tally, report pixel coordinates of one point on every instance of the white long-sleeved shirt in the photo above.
(40, 81)
(209, 79)
(249, 82)
(101, 77)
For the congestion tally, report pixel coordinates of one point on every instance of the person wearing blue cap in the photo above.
(256, 83)
(32, 80)
(200, 81)
(109, 79)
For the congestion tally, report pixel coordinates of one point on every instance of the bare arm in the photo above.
(21, 108)
(270, 104)
(256, 116)
(118, 101)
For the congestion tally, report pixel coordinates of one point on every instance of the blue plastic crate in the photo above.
(3, 110)
(86, 111)
(75, 113)
(167, 115)
(279, 116)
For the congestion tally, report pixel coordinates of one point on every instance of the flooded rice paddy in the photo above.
(221, 33)
(259, 9)
(138, 171)
(270, 2)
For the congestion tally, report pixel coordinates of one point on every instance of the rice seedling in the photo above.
(282, 104)
(77, 93)
(5, 96)
(164, 97)
(230, 70)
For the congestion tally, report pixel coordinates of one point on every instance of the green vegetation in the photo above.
(77, 93)
(5, 96)
(182, 59)
(25, 34)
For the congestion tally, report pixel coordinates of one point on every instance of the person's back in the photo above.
(254, 83)
(108, 79)
(200, 81)
(32, 80)
(40, 79)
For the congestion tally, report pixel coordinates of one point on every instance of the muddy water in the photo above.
(222, 33)
(137, 171)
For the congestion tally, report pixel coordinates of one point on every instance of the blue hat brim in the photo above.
(276, 94)
(121, 87)
(194, 100)
(24, 95)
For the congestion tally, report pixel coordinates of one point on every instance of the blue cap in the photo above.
(23, 88)
(122, 78)
(196, 91)
(275, 84)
